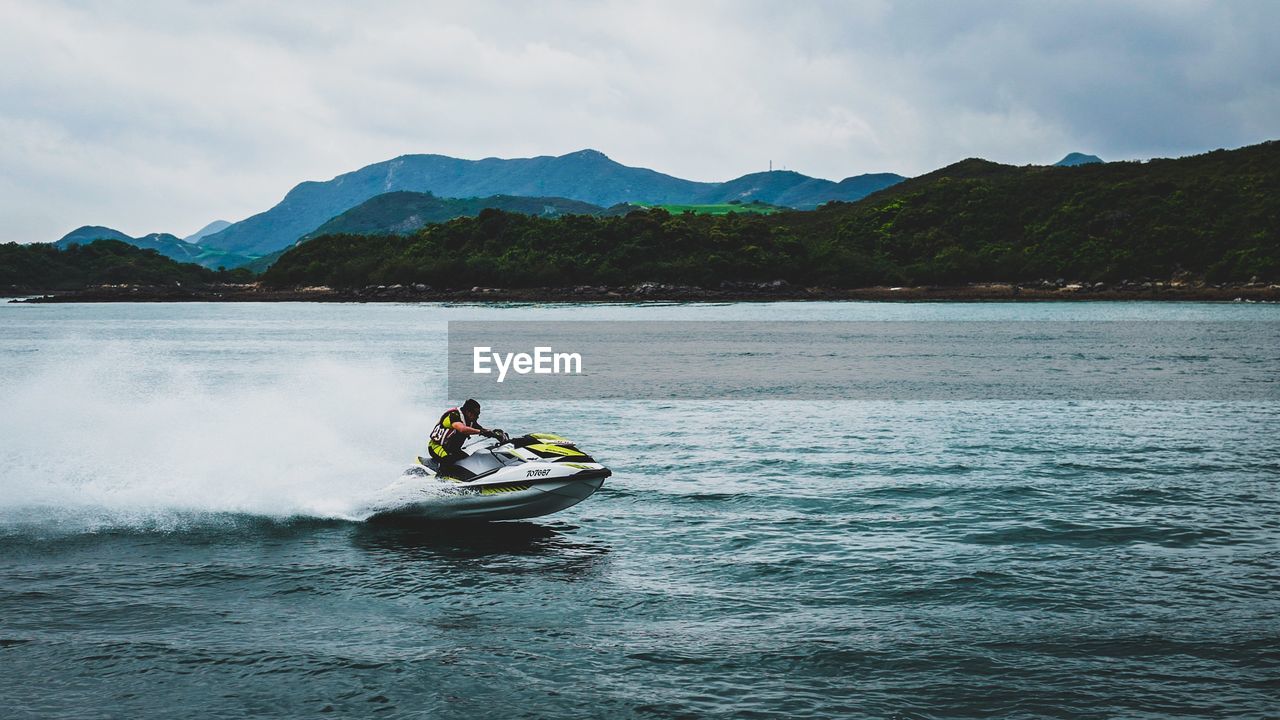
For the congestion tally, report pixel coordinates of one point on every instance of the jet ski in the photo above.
(502, 478)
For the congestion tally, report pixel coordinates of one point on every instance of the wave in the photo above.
(1086, 535)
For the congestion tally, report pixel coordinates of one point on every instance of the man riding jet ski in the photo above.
(493, 477)
(453, 429)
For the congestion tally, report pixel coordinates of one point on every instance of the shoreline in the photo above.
(657, 292)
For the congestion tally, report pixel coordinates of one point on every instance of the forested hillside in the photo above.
(1214, 216)
(403, 212)
(42, 266)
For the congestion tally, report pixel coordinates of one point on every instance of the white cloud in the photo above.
(150, 116)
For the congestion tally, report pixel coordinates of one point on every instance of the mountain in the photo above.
(209, 229)
(586, 176)
(167, 245)
(1075, 158)
(1213, 217)
(403, 212)
(791, 189)
(88, 233)
(163, 243)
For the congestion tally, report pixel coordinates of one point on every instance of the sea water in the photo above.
(181, 494)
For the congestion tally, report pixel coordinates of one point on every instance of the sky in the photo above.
(162, 116)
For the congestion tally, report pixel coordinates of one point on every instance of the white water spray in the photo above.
(131, 439)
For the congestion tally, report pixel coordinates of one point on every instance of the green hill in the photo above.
(403, 212)
(88, 233)
(41, 266)
(1215, 215)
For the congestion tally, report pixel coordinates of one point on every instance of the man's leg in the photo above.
(448, 468)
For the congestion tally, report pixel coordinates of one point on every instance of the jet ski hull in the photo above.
(497, 479)
(445, 500)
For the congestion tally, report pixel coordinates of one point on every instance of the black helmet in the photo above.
(471, 405)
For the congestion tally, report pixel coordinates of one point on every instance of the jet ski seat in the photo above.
(457, 472)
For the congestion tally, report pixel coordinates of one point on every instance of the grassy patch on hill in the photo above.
(755, 207)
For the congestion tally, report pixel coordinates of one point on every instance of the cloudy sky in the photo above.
(162, 116)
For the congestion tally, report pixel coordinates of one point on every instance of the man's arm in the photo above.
(469, 429)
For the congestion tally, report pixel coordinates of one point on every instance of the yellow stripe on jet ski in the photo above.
(499, 489)
(555, 449)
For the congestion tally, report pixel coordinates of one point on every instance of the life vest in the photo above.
(444, 439)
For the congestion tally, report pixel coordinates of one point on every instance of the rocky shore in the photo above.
(725, 292)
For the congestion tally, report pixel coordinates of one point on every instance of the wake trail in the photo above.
(130, 439)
